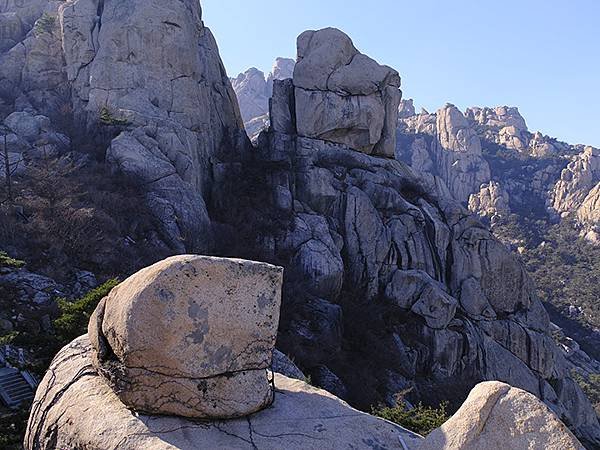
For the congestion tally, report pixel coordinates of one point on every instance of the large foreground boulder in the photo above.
(191, 336)
(496, 415)
(75, 408)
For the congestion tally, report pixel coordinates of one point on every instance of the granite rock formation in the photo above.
(379, 261)
(106, 67)
(343, 96)
(446, 147)
(253, 91)
(391, 284)
(495, 416)
(576, 181)
(183, 338)
(491, 201)
(538, 176)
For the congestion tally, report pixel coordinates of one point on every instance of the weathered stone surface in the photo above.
(181, 99)
(253, 96)
(398, 235)
(491, 201)
(576, 181)
(281, 107)
(496, 415)
(458, 154)
(344, 96)
(406, 109)
(417, 291)
(447, 147)
(72, 396)
(253, 91)
(285, 366)
(190, 336)
(499, 117)
(283, 69)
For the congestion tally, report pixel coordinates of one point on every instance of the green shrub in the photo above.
(7, 261)
(107, 118)
(591, 386)
(74, 316)
(421, 419)
(45, 24)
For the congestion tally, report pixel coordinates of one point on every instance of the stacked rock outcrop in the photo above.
(191, 337)
(447, 149)
(253, 91)
(343, 96)
(147, 74)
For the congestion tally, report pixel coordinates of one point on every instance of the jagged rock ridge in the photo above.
(254, 90)
(382, 261)
(399, 286)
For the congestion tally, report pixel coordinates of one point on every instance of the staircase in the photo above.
(15, 386)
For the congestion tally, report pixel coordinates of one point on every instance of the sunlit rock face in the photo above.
(190, 322)
(143, 80)
(496, 415)
(448, 148)
(192, 337)
(344, 96)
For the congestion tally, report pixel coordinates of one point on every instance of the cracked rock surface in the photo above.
(378, 261)
(190, 336)
(75, 408)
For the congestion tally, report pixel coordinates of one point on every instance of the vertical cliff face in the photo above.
(128, 75)
(132, 64)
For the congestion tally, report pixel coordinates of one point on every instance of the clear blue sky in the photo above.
(540, 55)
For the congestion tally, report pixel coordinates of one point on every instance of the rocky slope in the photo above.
(526, 169)
(115, 371)
(490, 154)
(214, 368)
(391, 284)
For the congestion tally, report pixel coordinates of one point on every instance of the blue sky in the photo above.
(542, 56)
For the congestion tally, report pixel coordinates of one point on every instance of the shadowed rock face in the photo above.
(190, 336)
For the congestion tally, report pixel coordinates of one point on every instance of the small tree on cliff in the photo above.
(10, 167)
